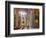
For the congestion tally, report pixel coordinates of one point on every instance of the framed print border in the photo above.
(7, 18)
